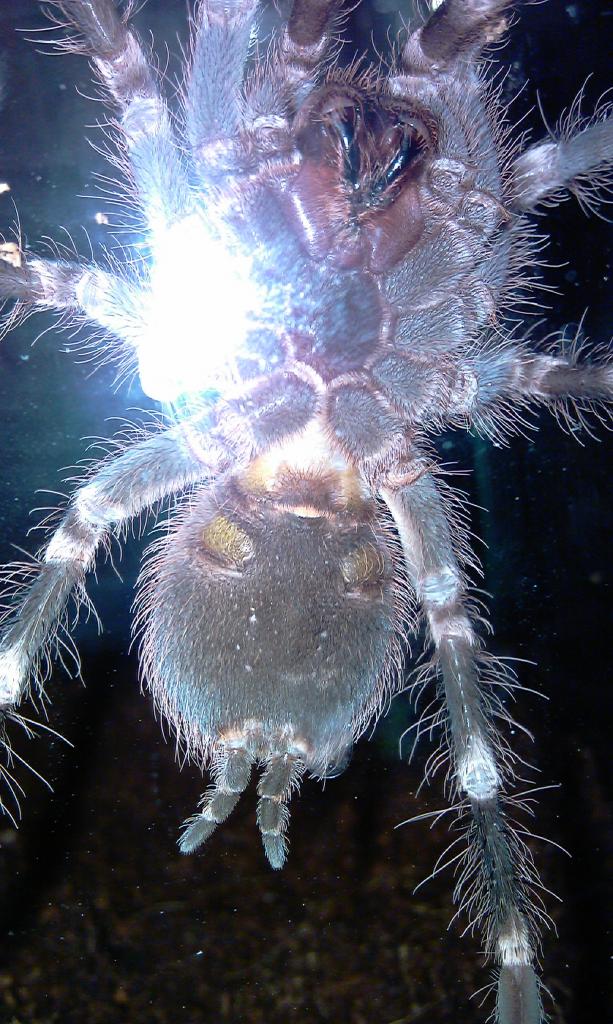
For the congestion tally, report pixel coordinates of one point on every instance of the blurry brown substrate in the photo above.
(104, 921)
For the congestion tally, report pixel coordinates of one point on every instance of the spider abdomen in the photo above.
(270, 628)
(285, 618)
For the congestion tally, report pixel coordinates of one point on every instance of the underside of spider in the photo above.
(332, 253)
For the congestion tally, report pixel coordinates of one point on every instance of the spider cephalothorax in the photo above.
(331, 254)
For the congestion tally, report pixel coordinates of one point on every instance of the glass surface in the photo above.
(101, 919)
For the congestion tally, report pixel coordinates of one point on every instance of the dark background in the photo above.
(101, 919)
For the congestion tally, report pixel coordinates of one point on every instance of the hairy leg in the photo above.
(306, 39)
(510, 377)
(106, 299)
(455, 31)
(581, 161)
(221, 36)
(147, 471)
(280, 83)
(497, 876)
(230, 114)
(126, 485)
(153, 159)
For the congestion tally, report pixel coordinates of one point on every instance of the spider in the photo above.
(332, 260)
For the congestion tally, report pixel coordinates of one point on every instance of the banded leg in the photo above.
(213, 101)
(146, 472)
(231, 773)
(282, 774)
(160, 465)
(307, 37)
(123, 69)
(579, 162)
(511, 377)
(455, 31)
(81, 291)
(278, 86)
(497, 878)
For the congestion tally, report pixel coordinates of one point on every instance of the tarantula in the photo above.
(330, 258)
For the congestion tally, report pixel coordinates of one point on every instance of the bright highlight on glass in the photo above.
(203, 302)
